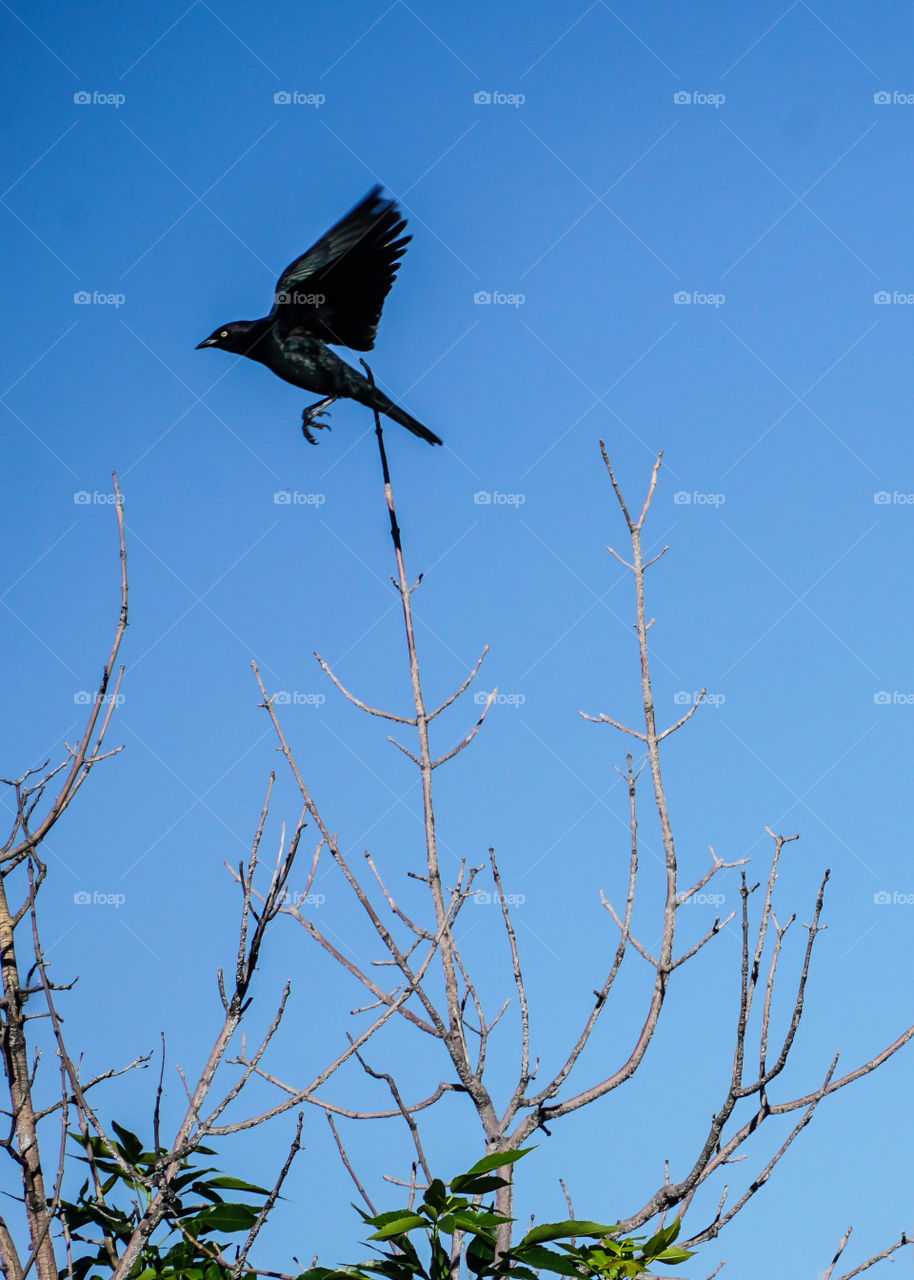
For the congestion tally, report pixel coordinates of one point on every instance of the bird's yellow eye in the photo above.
(224, 333)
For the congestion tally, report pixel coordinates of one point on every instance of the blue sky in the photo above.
(586, 168)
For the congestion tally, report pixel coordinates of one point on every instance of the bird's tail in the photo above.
(376, 399)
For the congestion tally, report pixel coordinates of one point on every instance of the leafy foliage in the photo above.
(602, 1255)
(451, 1216)
(197, 1211)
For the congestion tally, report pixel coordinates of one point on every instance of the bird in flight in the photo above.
(334, 293)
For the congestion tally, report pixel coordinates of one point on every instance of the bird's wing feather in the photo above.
(336, 290)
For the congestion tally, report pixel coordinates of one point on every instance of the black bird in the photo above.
(333, 293)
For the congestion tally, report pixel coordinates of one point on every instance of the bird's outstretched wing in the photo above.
(336, 290)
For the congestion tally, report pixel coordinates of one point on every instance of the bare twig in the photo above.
(267, 1206)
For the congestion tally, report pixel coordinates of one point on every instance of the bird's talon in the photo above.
(310, 416)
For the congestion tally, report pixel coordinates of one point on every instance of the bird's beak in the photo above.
(207, 342)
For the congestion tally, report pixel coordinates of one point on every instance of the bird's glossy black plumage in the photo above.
(334, 293)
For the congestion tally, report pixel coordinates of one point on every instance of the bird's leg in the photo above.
(310, 417)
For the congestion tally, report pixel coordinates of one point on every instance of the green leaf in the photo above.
(477, 1186)
(408, 1250)
(659, 1241)
(187, 1176)
(601, 1255)
(401, 1223)
(435, 1195)
(497, 1160)
(566, 1230)
(440, 1268)
(130, 1143)
(382, 1219)
(338, 1273)
(547, 1260)
(392, 1267)
(479, 1254)
(673, 1255)
(480, 1223)
(207, 1193)
(236, 1184)
(223, 1217)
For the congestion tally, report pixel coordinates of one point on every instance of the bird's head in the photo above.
(238, 336)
